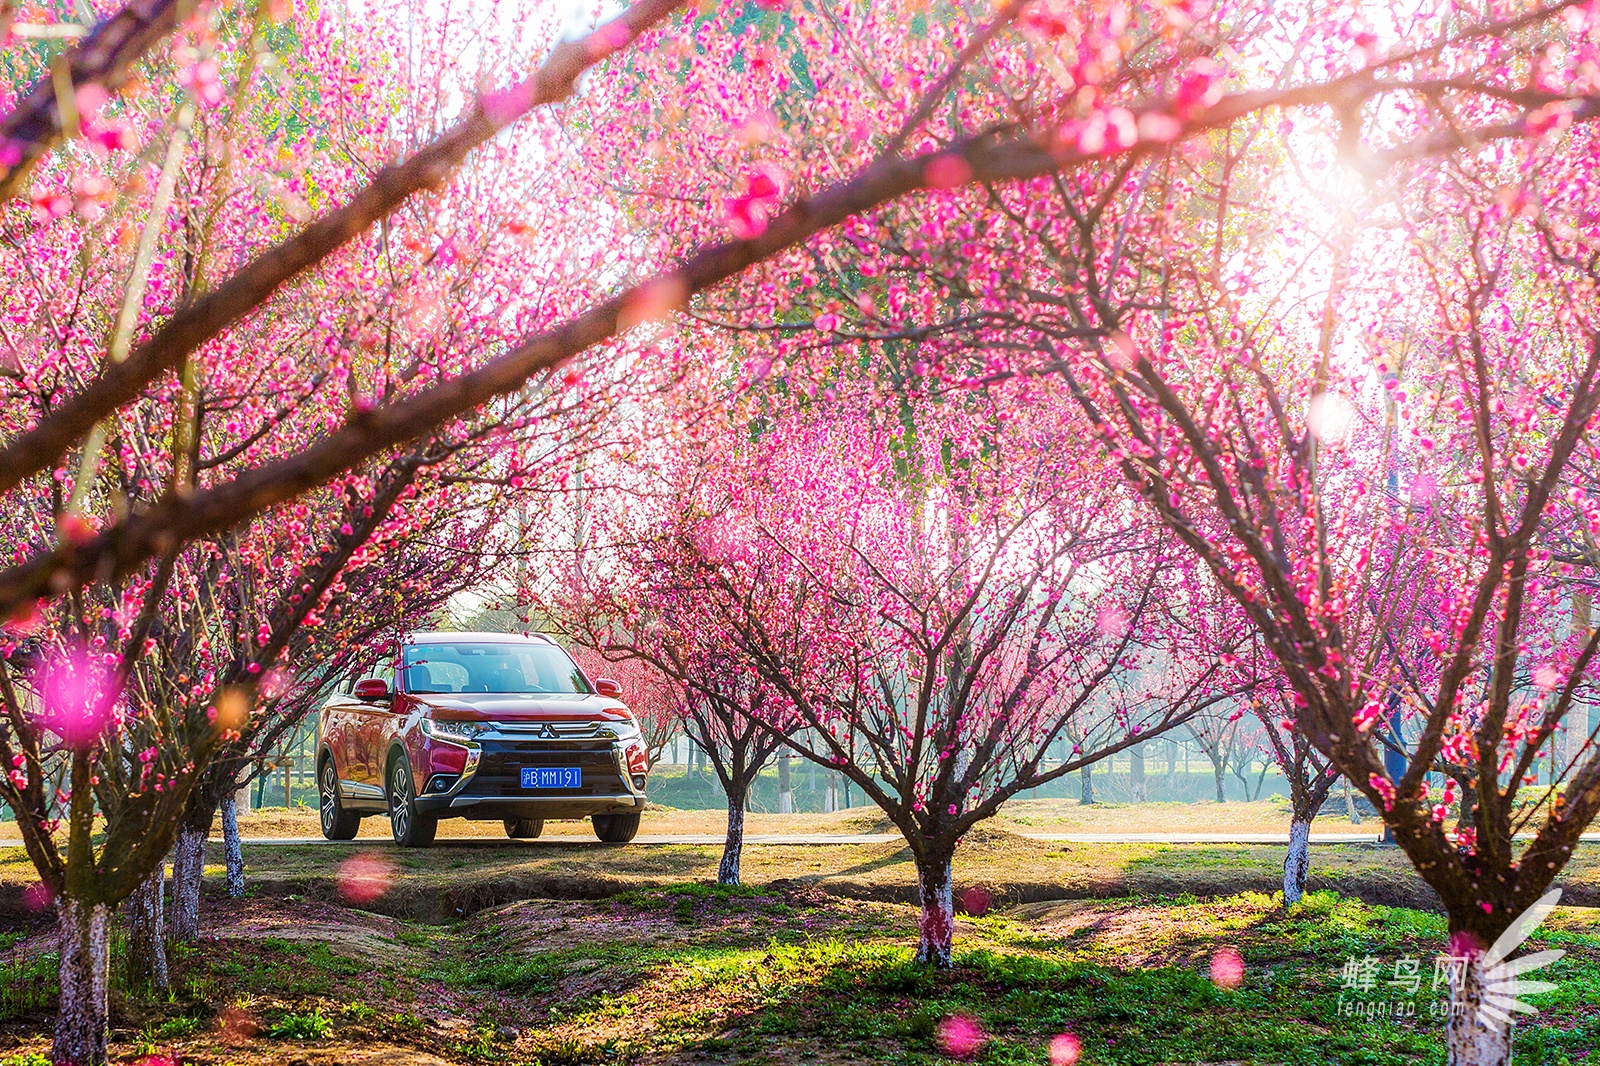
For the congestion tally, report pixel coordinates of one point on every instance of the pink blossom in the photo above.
(37, 897)
(77, 697)
(747, 214)
(961, 1036)
(1385, 788)
(1227, 968)
(1065, 1049)
(976, 900)
(203, 80)
(946, 171)
(364, 878)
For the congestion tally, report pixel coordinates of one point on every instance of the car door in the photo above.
(370, 720)
(340, 719)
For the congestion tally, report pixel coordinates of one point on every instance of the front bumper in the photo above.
(490, 785)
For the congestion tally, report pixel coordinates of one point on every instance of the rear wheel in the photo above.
(337, 823)
(616, 828)
(524, 828)
(410, 829)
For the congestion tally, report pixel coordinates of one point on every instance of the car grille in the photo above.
(500, 768)
(558, 730)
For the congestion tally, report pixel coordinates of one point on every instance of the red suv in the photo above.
(479, 725)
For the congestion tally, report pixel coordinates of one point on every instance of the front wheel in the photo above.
(616, 828)
(410, 829)
(337, 823)
(523, 828)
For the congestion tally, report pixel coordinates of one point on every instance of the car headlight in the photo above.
(623, 731)
(454, 730)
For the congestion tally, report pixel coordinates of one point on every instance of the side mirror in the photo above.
(607, 687)
(372, 689)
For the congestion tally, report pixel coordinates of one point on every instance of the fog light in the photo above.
(441, 783)
(638, 782)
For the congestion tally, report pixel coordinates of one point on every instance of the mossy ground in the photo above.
(566, 952)
(689, 973)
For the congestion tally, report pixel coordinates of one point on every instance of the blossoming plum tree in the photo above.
(1372, 436)
(1091, 199)
(924, 603)
(130, 702)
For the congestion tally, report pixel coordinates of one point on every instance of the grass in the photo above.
(310, 1025)
(27, 984)
(670, 968)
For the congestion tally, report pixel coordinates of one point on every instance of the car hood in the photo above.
(509, 707)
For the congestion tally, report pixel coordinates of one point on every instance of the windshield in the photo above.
(467, 667)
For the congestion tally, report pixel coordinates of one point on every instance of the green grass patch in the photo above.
(312, 1025)
(28, 985)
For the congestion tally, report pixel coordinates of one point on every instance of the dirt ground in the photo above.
(690, 974)
(1026, 815)
(457, 878)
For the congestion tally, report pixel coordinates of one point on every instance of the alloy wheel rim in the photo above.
(399, 789)
(329, 799)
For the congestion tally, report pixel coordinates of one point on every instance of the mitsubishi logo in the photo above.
(547, 732)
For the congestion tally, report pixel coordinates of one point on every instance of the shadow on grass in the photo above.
(866, 1001)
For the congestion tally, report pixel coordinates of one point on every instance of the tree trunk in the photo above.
(235, 851)
(1216, 770)
(938, 927)
(1350, 804)
(733, 847)
(785, 790)
(1473, 1038)
(1298, 862)
(188, 856)
(1577, 720)
(1086, 779)
(147, 932)
(81, 1020)
(1136, 785)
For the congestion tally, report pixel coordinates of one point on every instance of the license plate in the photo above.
(552, 777)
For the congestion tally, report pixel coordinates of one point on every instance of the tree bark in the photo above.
(147, 932)
(1577, 719)
(188, 856)
(1136, 782)
(231, 844)
(1350, 804)
(1086, 780)
(1298, 862)
(1473, 1038)
(785, 792)
(733, 846)
(937, 930)
(81, 1019)
(1216, 770)
(188, 863)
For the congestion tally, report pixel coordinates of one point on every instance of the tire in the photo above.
(337, 823)
(524, 828)
(616, 828)
(410, 829)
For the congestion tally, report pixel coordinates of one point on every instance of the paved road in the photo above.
(866, 838)
(802, 839)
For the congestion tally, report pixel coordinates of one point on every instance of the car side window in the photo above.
(383, 670)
